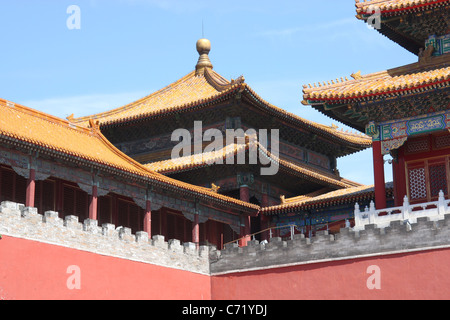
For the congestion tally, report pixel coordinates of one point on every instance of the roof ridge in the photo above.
(415, 67)
(190, 161)
(306, 196)
(312, 171)
(219, 82)
(162, 177)
(223, 153)
(46, 116)
(415, 76)
(330, 129)
(328, 196)
(394, 5)
(125, 164)
(134, 103)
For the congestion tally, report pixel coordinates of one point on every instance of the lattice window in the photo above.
(156, 222)
(48, 196)
(45, 196)
(82, 204)
(104, 210)
(21, 189)
(442, 142)
(129, 215)
(415, 146)
(417, 183)
(7, 183)
(228, 234)
(123, 213)
(438, 179)
(69, 202)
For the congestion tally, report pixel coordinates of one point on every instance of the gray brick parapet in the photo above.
(398, 237)
(19, 221)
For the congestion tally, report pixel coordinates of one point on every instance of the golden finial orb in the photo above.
(203, 46)
(203, 49)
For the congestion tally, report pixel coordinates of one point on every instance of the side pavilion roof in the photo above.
(37, 131)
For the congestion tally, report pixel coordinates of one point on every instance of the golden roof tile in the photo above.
(210, 158)
(56, 135)
(416, 77)
(193, 161)
(189, 90)
(396, 6)
(332, 131)
(315, 200)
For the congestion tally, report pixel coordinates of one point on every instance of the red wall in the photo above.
(33, 270)
(422, 275)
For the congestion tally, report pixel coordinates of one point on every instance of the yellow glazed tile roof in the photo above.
(189, 162)
(394, 82)
(393, 6)
(187, 91)
(193, 90)
(210, 158)
(54, 134)
(315, 200)
(332, 131)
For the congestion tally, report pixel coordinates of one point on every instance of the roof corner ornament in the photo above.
(71, 117)
(214, 188)
(425, 55)
(357, 75)
(94, 125)
(203, 49)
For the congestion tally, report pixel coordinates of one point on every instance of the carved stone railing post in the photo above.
(357, 214)
(405, 209)
(441, 204)
(372, 213)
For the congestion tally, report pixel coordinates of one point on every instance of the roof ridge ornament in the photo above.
(94, 125)
(203, 49)
(357, 75)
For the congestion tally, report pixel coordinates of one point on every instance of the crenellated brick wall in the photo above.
(23, 222)
(344, 252)
(19, 221)
(398, 237)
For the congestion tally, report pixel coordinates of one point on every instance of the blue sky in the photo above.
(126, 49)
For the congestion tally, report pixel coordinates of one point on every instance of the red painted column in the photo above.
(245, 230)
(244, 192)
(148, 219)
(399, 175)
(31, 189)
(93, 204)
(378, 168)
(196, 230)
